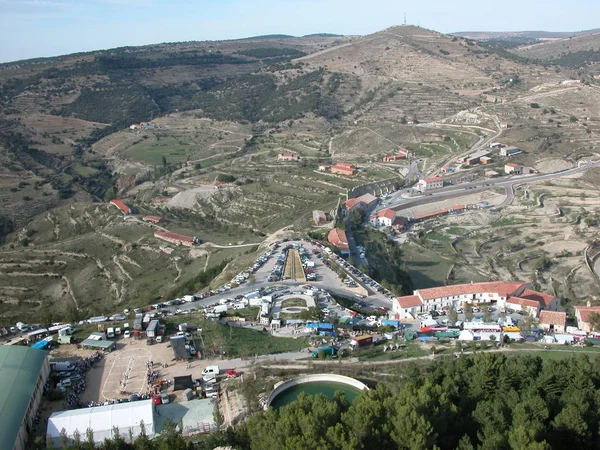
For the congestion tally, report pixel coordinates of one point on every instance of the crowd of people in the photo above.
(78, 386)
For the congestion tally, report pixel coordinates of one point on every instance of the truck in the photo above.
(391, 323)
(62, 366)
(210, 373)
(362, 341)
(110, 333)
(189, 298)
(152, 329)
(220, 309)
(328, 351)
(137, 322)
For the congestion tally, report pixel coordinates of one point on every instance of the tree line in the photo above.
(487, 401)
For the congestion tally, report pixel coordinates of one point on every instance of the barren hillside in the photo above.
(557, 49)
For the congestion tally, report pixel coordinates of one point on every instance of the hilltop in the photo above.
(510, 35)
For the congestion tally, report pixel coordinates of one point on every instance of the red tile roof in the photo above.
(585, 311)
(122, 206)
(343, 169)
(337, 237)
(523, 302)
(344, 164)
(409, 301)
(511, 165)
(387, 213)
(544, 299)
(553, 318)
(174, 236)
(351, 203)
(500, 288)
(433, 179)
(431, 214)
(154, 219)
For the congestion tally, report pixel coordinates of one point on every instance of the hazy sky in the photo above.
(33, 28)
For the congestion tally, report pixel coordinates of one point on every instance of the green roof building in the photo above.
(23, 373)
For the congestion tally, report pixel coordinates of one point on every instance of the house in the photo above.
(342, 168)
(485, 160)
(135, 126)
(529, 307)
(553, 321)
(383, 218)
(368, 200)
(583, 313)
(491, 174)
(365, 202)
(322, 168)
(547, 302)
(177, 239)
(319, 217)
(396, 157)
(504, 125)
(399, 223)
(122, 206)
(510, 150)
(353, 203)
(429, 184)
(337, 237)
(407, 307)
(288, 157)
(512, 168)
(152, 219)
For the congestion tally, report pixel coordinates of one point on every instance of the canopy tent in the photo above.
(100, 344)
(184, 382)
(103, 420)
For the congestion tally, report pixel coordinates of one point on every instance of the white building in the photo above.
(511, 150)
(128, 417)
(383, 218)
(513, 295)
(429, 184)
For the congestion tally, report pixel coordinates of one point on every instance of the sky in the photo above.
(37, 28)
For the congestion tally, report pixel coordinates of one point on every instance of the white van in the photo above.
(110, 333)
(210, 373)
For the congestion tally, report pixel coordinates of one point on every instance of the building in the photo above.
(288, 157)
(491, 174)
(499, 292)
(122, 206)
(152, 219)
(485, 160)
(24, 372)
(407, 307)
(429, 184)
(177, 239)
(130, 418)
(337, 237)
(553, 321)
(319, 217)
(364, 202)
(510, 150)
(322, 168)
(342, 168)
(392, 158)
(583, 313)
(528, 307)
(475, 158)
(383, 218)
(512, 168)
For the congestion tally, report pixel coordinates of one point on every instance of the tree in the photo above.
(468, 312)
(452, 316)
(594, 320)
(164, 161)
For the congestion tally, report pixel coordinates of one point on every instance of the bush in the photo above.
(534, 105)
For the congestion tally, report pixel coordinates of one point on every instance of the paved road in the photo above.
(397, 202)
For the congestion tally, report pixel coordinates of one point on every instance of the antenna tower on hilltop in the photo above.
(404, 19)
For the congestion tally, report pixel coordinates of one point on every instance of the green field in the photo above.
(234, 342)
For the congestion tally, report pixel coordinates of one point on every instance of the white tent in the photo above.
(102, 420)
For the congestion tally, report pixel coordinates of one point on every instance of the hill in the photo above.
(573, 52)
(509, 35)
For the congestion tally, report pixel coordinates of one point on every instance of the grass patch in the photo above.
(231, 342)
(250, 313)
(376, 353)
(505, 222)
(426, 268)
(288, 302)
(456, 231)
